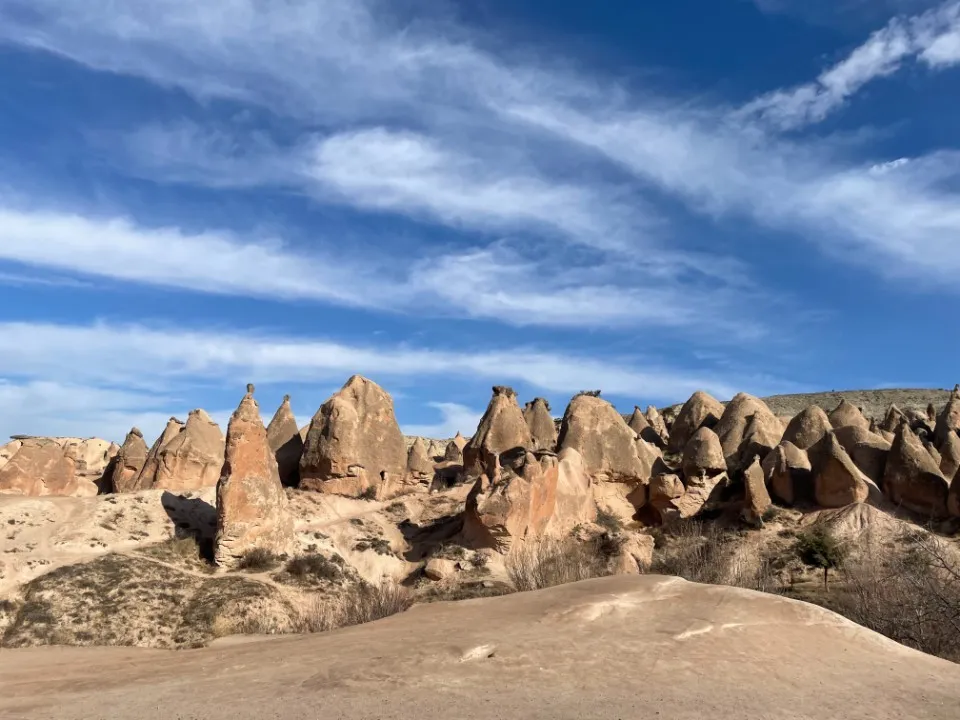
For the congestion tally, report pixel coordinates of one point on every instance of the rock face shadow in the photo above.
(423, 539)
(192, 517)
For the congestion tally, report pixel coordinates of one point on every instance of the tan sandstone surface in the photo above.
(622, 647)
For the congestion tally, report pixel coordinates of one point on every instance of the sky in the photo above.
(441, 195)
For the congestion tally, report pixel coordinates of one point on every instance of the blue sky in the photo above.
(647, 198)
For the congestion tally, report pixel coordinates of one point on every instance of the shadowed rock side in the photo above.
(948, 421)
(283, 435)
(641, 426)
(912, 477)
(354, 444)
(419, 464)
(756, 498)
(501, 428)
(867, 450)
(129, 463)
(701, 410)
(192, 460)
(543, 431)
(747, 418)
(950, 456)
(837, 481)
(788, 474)
(148, 475)
(251, 504)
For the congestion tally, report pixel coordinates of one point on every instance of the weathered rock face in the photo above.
(283, 435)
(41, 467)
(788, 474)
(762, 435)
(129, 463)
(193, 459)
(595, 429)
(543, 430)
(9, 450)
(867, 450)
(354, 444)
(658, 423)
(502, 428)
(251, 505)
(92, 458)
(701, 493)
(846, 414)
(950, 456)
(644, 430)
(703, 455)
(949, 418)
(148, 476)
(837, 480)
(756, 499)
(732, 428)
(700, 410)
(808, 428)
(460, 441)
(419, 464)
(891, 421)
(453, 453)
(912, 477)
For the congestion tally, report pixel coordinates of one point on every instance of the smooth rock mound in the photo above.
(595, 429)
(419, 464)
(808, 428)
(703, 455)
(148, 476)
(837, 480)
(788, 474)
(41, 467)
(733, 424)
(283, 435)
(699, 410)
(846, 414)
(867, 450)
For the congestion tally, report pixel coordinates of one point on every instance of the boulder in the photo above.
(702, 492)
(950, 456)
(130, 461)
(733, 424)
(438, 569)
(788, 474)
(948, 421)
(912, 478)
(837, 481)
(634, 555)
(501, 428)
(703, 455)
(867, 450)
(807, 428)
(286, 443)
(354, 446)
(756, 499)
(193, 459)
(665, 488)
(846, 414)
(543, 431)
(700, 410)
(93, 459)
(40, 467)
(608, 446)
(148, 475)
(419, 464)
(252, 509)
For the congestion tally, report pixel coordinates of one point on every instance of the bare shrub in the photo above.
(694, 551)
(361, 604)
(549, 562)
(258, 560)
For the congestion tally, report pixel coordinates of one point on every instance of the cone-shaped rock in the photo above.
(846, 414)
(148, 475)
(703, 455)
(837, 480)
(460, 441)
(762, 434)
(912, 477)
(129, 463)
(543, 430)
(354, 443)
(40, 467)
(283, 435)
(419, 464)
(501, 428)
(867, 450)
(808, 427)
(453, 453)
(756, 499)
(733, 424)
(788, 474)
(948, 421)
(700, 410)
(657, 423)
(950, 456)
(891, 420)
(252, 508)
(595, 429)
(641, 426)
(194, 458)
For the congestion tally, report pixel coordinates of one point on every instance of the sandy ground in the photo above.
(622, 647)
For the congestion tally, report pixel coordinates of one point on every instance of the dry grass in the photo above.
(358, 605)
(259, 560)
(549, 562)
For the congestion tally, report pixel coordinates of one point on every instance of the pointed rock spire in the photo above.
(129, 463)
(286, 443)
(543, 430)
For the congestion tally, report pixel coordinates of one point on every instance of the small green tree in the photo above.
(818, 548)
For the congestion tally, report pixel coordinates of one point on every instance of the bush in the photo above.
(693, 551)
(608, 521)
(258, 560)
(818, 548)
(361, 604)
(313, 568)
(550, 562)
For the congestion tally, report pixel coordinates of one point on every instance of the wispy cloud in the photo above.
(454, 418)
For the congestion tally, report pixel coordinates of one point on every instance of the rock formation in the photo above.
(639, 424)
(756, 499)
(501, 428)
(788, 474)
(703, 455)
(836, 478)
(950, 456)
(846, 414)
(251, 505)
(867, 450)
(286, 443)
(543, 431)
(40, 467)
(733, 424)
(9, 450)
(129, 464)
(419, 465)
(891, 421)
(354, 445)
(148, 475)
(808, 428)
(949, 418)
(193, 459)
(658, 423)
(700, 410)
(912, 478)
(608, 446)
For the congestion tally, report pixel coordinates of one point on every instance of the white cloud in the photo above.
(933, 37)
(454, 418)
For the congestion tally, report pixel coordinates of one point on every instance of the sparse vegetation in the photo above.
(359, 604)
(608, 521)
(312, 569)
(549, 562)
(379, 545)
(259, 560)
(820, 549)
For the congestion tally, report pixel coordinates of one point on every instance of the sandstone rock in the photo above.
(40, 467)
(634, 555)
(148, 476)
(438, 569)
(702, 492)
(867, 450)
(657, 422)
(761, 435)
(807, 428)
(594, 428)
(92, 458)
(732, 427)
(948, 421)
(129, 464)
(664, 488)
(837, 480)
(912, 478)
(543, 431)
(847, 414)
(703, 455)
(934, 453)
(700, 410)
(286, 443)
(252, 508)
(419, 465)
(891, 421)
(950, 456)
(354, 445)
(788, 474)
(756, 500)
(193, 459)
(9, 450)
(639, 424)
(501, 428)
(460, 441)
(453, 453)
